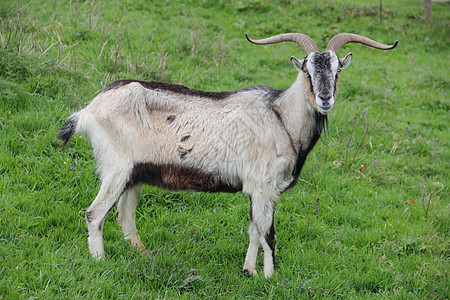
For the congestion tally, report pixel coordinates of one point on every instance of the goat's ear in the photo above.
(346, 60)
(298, 64)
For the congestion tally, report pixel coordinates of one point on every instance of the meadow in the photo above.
(368, 219)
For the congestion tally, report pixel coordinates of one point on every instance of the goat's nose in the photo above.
(325, 96)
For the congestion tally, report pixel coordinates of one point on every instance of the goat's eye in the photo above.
(339, 71)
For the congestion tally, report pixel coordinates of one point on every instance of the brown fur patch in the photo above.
(335, 86)
(174, 88)
(310, 92)
(177, 177)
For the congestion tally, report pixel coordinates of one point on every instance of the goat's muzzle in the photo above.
(324, 102)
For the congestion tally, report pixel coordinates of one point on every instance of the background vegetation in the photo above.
(369, 218)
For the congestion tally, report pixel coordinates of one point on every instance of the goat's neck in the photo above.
(302, 122)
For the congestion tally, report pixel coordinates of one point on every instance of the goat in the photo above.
(253, 140)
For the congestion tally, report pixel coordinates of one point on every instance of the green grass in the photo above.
(368, 219)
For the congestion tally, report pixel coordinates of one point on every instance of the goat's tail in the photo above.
(68, 130)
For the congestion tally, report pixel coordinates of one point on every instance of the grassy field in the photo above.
(368, 219)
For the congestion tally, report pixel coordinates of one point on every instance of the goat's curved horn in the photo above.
(301, 39)
(343, 38)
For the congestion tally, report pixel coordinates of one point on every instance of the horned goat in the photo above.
(253, 140)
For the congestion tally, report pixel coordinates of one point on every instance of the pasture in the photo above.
(369, 217)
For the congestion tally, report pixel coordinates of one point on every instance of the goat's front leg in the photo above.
(269, 244)
(126, 216)
(112, 186)
(261, 231)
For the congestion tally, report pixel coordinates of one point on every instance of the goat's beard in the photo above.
(323, 121)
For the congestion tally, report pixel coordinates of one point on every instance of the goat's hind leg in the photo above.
(112, 187)
(126, 216)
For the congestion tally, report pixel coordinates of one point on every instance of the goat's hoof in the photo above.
(268, 274)
(250, 272)
(99, 257)
(268, 270)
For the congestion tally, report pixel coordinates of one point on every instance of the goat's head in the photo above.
(322, 68)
